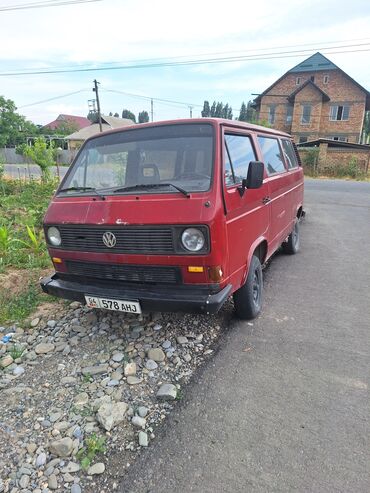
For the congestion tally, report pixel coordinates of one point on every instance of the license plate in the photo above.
(115, 305)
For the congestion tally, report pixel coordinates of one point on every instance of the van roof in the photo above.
(213, 121)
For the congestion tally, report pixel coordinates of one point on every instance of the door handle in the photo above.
(266, 200)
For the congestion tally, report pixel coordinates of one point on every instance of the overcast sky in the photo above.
(114, 32)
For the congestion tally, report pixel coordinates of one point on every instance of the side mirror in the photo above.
(254, 178)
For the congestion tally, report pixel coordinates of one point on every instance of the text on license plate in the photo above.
(117, 305)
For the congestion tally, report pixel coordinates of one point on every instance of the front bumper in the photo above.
(190, 299)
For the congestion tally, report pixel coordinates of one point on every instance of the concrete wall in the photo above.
(9, 156)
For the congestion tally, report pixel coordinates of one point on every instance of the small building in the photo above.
(67, 121)
(76, 139)
(313, 100)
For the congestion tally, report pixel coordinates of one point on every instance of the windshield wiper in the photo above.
(81, 189)
(152, 185)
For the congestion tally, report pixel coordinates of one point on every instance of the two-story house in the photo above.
(315, 99)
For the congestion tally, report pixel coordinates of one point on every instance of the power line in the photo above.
(244, 58)
(52, 99)
(39, 5)
(142, 60)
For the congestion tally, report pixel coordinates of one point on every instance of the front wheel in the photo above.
(291, 246)
(248, 298)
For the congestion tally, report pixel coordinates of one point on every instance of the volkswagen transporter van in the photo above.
(174, 216)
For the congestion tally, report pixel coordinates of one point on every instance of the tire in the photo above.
(248, 298)
(291, 246)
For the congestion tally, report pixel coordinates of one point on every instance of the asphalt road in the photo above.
(283, 406)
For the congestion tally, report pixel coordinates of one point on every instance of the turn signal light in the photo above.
(215, 273)
(57, 260)
(195, 268)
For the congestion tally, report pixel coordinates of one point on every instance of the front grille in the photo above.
(130, 239)
(127, 273)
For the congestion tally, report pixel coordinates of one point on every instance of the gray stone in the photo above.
(97, 468)
(62, 426)
(68, 478)
(143, 411)
(187, 357)
(111, 413)
(118, 357)
(68, 380)
(35, 322)
(95, 370)
(41, 459)
(143, 439)
(81, 399)
(129, 369)
(24, 481)
(167, 392)
(76, 488)
(71, 467)
(44, 348)
(134, 380)
(150, 364)
(53, 482)
(31, 447)
(113, 383)
(53, 417)
(51, 323)
(18, 370)
(166, 344)
(62, 447)
(138, 422)
(182, 340)
(157, 327)
(156, 354)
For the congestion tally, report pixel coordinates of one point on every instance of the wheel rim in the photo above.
(256, 287)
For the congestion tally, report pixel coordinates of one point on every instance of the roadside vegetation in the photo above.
(23, 254)
(348, 170)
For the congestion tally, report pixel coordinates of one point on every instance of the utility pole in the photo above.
(151, 109)
(191, 111)
(95, 89)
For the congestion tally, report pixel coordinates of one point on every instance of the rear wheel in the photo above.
(248, 298)
(291, 246)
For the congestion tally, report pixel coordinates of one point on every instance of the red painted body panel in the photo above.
(237, 224)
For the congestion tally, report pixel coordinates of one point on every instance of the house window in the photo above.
(312, 78)
(326, 79)
(339, 138)
(302, 140)
(271, 115)
(297, 81)
(339, 113)
(289, 113)
(306, 114)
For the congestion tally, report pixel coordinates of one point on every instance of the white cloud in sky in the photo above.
(122, 30)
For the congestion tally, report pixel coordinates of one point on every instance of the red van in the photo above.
(174, 216)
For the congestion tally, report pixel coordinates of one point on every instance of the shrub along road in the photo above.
(283, 406)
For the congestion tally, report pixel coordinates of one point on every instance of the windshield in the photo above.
(166, 156)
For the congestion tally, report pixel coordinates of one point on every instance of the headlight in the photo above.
(193, 239)
(54, 236)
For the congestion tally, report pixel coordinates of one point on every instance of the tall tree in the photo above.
(206, 111)
(213, 109)
(243, 117)
(143, 117)
(116, 115)
(14, 128)
(219, 108)
(129, 115)
(251, 112)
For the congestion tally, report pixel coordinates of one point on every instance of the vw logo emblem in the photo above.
(109, 239)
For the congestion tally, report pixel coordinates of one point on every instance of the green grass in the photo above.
(17, 307)
(93, 445)
(16, 352)
(22, 245)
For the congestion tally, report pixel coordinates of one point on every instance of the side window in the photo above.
(241, 153)
(229, 177)
(289, 154)
(272, 156)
